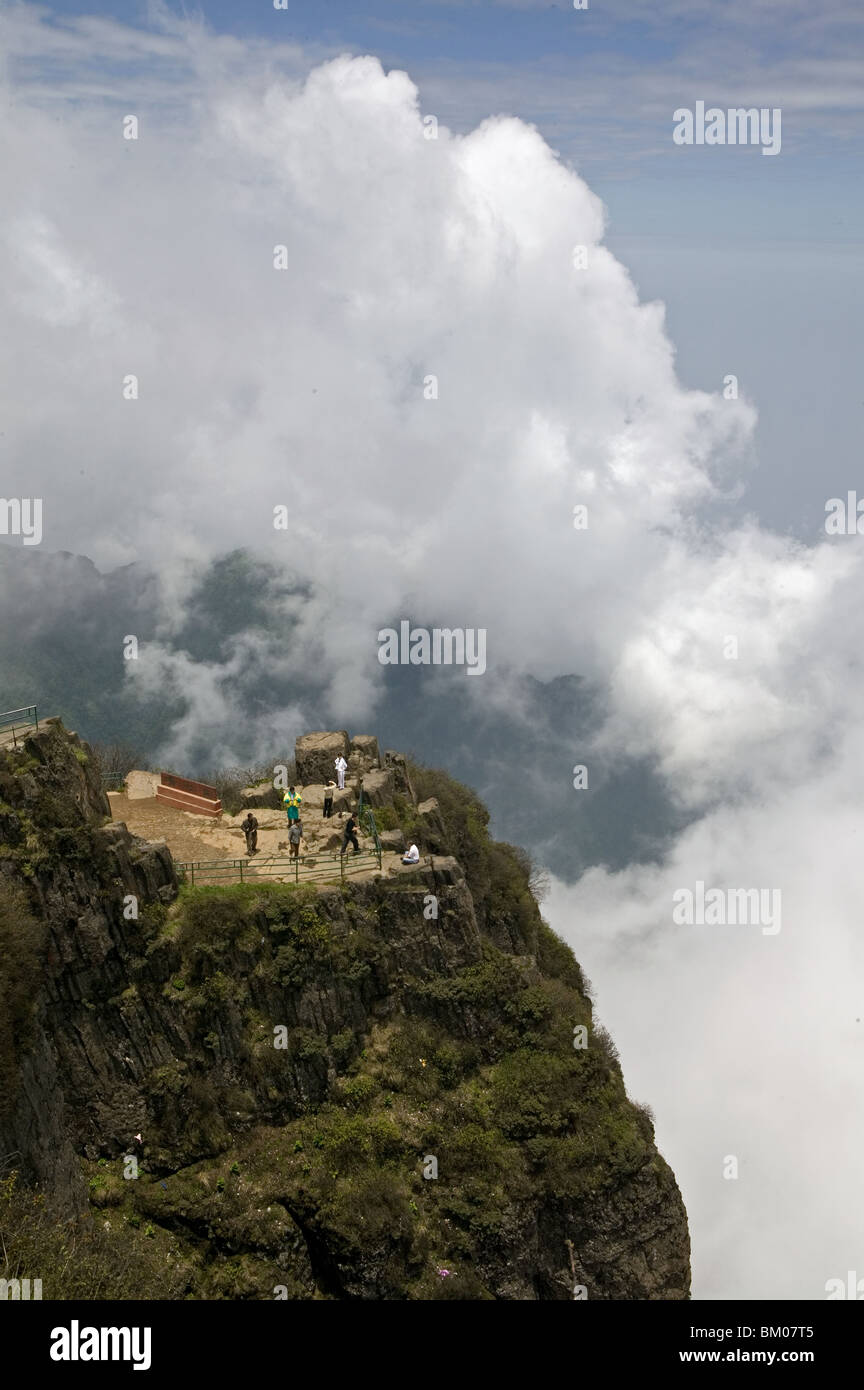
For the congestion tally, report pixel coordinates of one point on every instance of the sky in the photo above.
(746, 252)
(429, 382)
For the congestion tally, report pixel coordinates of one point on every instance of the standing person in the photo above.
(291, 801)
(328, 799)
(295, 835)
(250, 829)
(350, 834)
(341, 768)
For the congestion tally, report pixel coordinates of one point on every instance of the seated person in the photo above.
(411, 856)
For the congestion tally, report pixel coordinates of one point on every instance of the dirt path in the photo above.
(196, 838)
(187, 836)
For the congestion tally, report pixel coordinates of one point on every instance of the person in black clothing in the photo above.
(350, 834)
(250, 830)
(328, 799)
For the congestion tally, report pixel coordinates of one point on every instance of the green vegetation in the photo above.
(86, 1257)
(318, 1052)
(114, 761)
(22, 941)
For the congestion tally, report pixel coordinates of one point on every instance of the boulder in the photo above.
(378, 787)
(396, 763)
(262, 795)
(392, 840)
(315, 754)
(445, 869)
(431, 826)
(344, 801)
(313, 797)
(438, 871)
(364, 754)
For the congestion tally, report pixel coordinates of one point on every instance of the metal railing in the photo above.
(14, 720)
(306, 868)
(366, 817)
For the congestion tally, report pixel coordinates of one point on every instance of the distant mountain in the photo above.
(62, 625)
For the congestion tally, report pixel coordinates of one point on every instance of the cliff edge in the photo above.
(383, 1089)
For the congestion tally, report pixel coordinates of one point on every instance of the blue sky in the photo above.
(757, 259)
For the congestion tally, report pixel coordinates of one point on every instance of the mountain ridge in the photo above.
(293, 1058)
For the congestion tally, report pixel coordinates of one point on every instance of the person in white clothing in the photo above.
(341, 768)
(411, 856)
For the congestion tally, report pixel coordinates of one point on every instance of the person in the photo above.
(328, 799)
(350, 833)
(250, 830)
(341, 768)
(291, 801)
(411, 855)
(295, 835)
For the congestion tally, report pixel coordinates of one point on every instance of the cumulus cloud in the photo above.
(407, 259)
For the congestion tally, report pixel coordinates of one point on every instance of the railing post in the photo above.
(297, 869)
(342, 866)
(241, 870)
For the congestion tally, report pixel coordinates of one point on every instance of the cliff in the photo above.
(358, 1091)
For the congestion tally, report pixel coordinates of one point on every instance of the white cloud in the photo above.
(747, 1044)
(53, 286)
(406, 257)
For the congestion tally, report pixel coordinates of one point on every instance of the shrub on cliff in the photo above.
(77, 1257)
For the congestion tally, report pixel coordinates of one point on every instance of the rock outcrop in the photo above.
(378, 787)
(316, 753)
(340, 1092)
(363, 756)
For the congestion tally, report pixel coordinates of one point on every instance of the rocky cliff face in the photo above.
(368, 1091)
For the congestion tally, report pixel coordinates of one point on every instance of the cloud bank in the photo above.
(429, 377)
